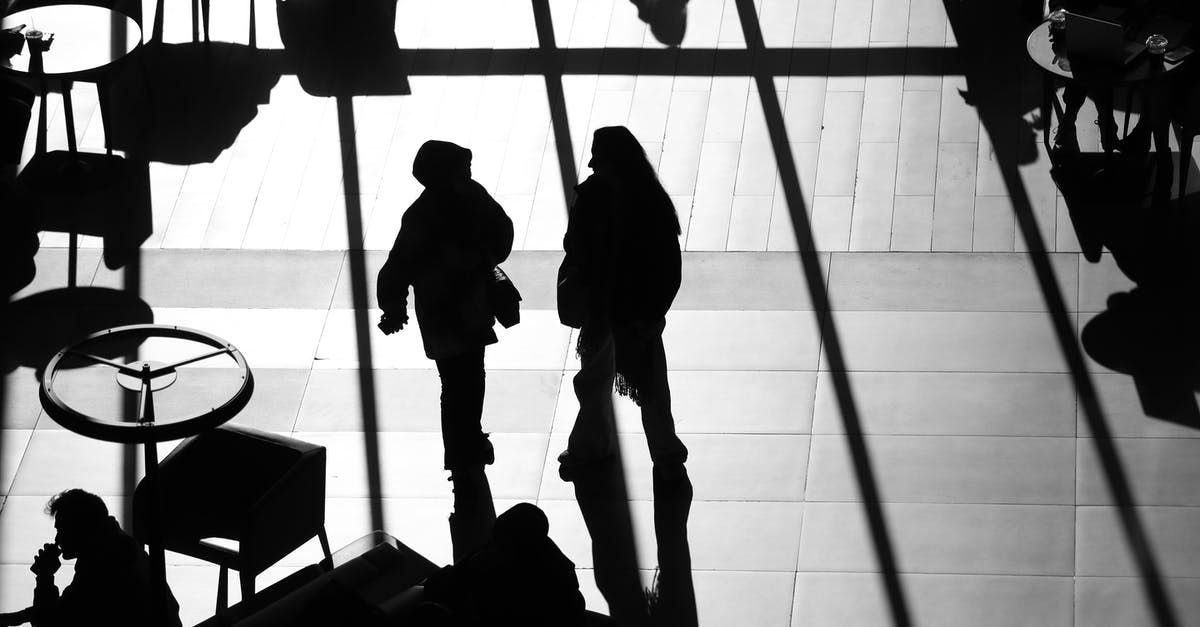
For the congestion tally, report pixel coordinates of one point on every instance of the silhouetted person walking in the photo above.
(622, 250)
(449, 241)
(112, 584)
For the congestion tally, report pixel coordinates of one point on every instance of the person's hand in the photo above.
(46, 563)
(389, 323)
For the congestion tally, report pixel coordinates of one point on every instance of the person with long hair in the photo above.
(450, 240)
(622, 252)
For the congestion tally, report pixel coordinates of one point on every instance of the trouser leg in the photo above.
(1073, 98)
(594, 434)
(462, 409)
(1103, 97)
(657, 421)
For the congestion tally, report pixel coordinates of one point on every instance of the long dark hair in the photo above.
(621, 150)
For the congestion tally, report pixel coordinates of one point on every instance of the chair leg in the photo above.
(204, 11)
(324, 543)
(1186, 135)
(105, 113)
(223, 590)
(247, 579)
(1128, 108)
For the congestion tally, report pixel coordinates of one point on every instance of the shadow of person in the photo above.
(187, 103)
(1148, 332)
(106, 196)
(1022, 142)
(1102, 193)
(667, 19)
(474, 512)
(343, 48)
(36, 327)
(604, 503)
(674, 599)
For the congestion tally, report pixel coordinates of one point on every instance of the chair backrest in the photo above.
(212, 485)
(16, 109)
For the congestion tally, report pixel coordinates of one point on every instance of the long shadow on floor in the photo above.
(1147, 332)
(991, 38)
(187, 103)
(864, 472)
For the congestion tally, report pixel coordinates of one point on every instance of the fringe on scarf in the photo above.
(629, 390)
(624, 386)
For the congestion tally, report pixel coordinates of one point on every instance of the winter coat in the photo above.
(623, 244)
(449, 241)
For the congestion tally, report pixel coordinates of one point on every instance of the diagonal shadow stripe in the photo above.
(547, 59)
(814, 278)
(550, 58)
(982, 34)
(358, 291)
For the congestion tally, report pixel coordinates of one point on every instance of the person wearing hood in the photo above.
(450, 239)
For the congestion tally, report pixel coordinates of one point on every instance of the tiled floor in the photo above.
(902, 428)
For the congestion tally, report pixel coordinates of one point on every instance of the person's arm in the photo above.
(46, 600)
(499, 232)
(397, 274)
(12, 619)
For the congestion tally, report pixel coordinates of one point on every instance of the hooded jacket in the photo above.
(450, 239)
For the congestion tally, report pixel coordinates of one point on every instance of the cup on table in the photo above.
(1058, 19)
(38, 41)
(1156, 44)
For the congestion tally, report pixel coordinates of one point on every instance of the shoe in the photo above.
(1134, 144)
(667, 19)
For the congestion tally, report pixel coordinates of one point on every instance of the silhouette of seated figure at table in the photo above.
(1074, 94)
(112, 583)
(519, 578)
(1131, 13)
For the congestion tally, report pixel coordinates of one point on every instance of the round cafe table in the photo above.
(88, 41)
(1144, 74)
(145, 378)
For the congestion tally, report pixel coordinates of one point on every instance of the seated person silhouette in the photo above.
(112, 583)
(1074, 94)
(519, 578)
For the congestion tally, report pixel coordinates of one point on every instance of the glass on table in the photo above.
(1058, 19)
(1156, 44)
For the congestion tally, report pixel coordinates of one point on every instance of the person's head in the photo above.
(521, 524)
(616, 152)
(617, 155)
(79, 516)
(440, 164)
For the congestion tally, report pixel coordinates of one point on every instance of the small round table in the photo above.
(87, 41)
(145, 378)
(1051, 56)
